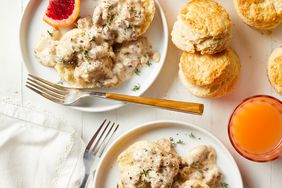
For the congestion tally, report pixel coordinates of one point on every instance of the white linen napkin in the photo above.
(37, 150)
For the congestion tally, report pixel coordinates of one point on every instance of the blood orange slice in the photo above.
(62, 13)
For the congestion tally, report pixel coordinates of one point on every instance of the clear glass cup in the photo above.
(252, 134)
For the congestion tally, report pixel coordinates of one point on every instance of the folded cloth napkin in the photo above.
(37, 150)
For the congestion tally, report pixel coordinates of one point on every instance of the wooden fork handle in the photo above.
(188, 107)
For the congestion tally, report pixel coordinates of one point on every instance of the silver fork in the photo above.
(96, 147)
(68, 96)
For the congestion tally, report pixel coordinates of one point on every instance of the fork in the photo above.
(96, 147)
(68, 96)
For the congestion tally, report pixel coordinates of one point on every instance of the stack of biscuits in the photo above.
(208, 66)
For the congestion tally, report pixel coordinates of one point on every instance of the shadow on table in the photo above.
(167, 75)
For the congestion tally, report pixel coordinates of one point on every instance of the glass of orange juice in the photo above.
(255, 128)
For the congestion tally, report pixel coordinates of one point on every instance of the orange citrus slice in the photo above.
(62, 13)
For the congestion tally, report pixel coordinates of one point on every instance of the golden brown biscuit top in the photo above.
(206, 70)
(275, 68)
(149, 13)
(263, 11)
(206, 17)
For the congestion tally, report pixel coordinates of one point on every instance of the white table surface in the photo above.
(253, 47)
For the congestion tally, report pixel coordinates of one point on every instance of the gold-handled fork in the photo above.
(68, 96)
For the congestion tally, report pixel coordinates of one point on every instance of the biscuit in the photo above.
(159, 157)
(274, 70)
(199, 30)
(45, 49)
(260, 14)
(66, 73)
(209, 75)
(150, 10)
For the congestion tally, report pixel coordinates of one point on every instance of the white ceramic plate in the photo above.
(107, 174)
(30, 30)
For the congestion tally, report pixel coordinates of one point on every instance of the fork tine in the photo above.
(48, 83)
(45, 90)
(94, 136)
(97, 143)
(45, 95)
(102, 149)
(47, 86)
(95, 150)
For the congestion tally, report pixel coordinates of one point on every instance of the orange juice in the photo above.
(255, 128)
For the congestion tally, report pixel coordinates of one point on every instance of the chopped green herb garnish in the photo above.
(50, 33)
(149, 63)
(136, 87)
(180, 141)
(109, 7)
(129, 26)
(135, 12)
(145, 173)
(62, 60)
(191, 135)
(172, 141)
(137, 71)
(223, 185)
(86, 55)
(93, 39)
(109, 21)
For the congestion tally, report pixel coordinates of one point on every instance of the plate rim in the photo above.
(166, 123)
(21, 39)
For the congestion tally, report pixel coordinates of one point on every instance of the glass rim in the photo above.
(236, 147)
